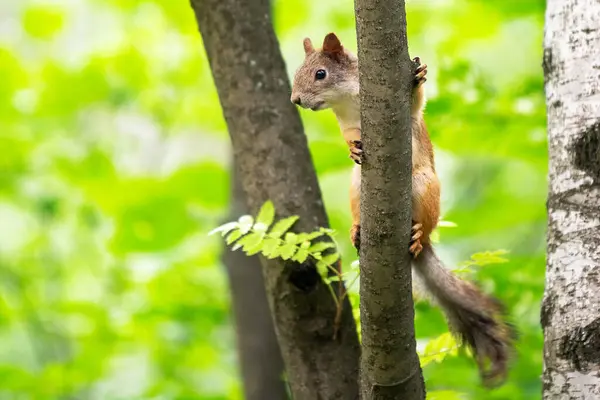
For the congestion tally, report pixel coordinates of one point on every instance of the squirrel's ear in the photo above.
(332, 46)
(308, 46)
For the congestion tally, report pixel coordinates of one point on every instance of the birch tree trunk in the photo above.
(390, 366)
(571, 307)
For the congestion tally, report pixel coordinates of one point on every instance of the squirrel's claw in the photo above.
(415, 241)
(356, 151)
(415, 248)
(420, 71)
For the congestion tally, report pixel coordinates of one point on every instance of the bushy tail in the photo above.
(475, 318)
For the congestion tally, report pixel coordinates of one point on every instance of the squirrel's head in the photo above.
(326, 77)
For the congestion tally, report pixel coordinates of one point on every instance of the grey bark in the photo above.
(258, 351)
(571, 306)
(390, 366)
(272, 158)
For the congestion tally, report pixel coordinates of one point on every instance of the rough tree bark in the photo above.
(571, 306)
(390, 366)
(273, 162)
(258, 351)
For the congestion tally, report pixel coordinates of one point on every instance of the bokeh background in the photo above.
(114, 165)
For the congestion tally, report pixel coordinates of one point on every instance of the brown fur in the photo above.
(477, 319)
(341, 68)
(473, 316)
(332, 46)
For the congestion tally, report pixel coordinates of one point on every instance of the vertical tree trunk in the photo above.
(571, 306)
(390, 366)
(272, 158)
(258, 351)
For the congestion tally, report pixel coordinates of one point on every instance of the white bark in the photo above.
(571, 306)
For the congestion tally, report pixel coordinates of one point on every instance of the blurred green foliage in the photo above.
(115, 162)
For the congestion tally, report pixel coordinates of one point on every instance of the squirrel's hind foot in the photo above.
(415, 241)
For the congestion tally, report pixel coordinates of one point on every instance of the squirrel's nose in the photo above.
(296, 100)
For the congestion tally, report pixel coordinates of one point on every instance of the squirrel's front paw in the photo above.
(415, 240)
(420, 72)
(356, 152)
(355, 236)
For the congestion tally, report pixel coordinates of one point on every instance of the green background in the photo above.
(115, 162)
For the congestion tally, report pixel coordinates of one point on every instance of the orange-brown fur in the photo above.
(339, 91)
(474, 317)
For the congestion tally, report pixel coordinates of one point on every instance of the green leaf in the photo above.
(224, 229)
(309, 236)
(287, 251)
(276, 252)
(269, 245)
(253, 239)
(282, 226)
(233, 236)
(322, 267)
(237, 245)
(254, 250)
(266, 214)
(485, 258)
(439, 348)
(330, 259)
(301, 255)
(350, 278)
(320, 246)
(249, 241)
(260, 227)
(246, 222)
(291, 238)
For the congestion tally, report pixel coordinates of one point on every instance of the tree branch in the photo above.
(273, 162)
(390, 366)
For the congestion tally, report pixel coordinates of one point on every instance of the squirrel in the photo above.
(328, 79)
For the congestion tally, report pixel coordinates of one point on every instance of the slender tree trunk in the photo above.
(258, 350)
(390, 366)
(272, 158)
(571, 307)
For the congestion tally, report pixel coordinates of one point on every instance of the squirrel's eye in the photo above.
(320, 74)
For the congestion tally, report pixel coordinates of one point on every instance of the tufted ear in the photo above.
(332, 46)
(308, 46)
